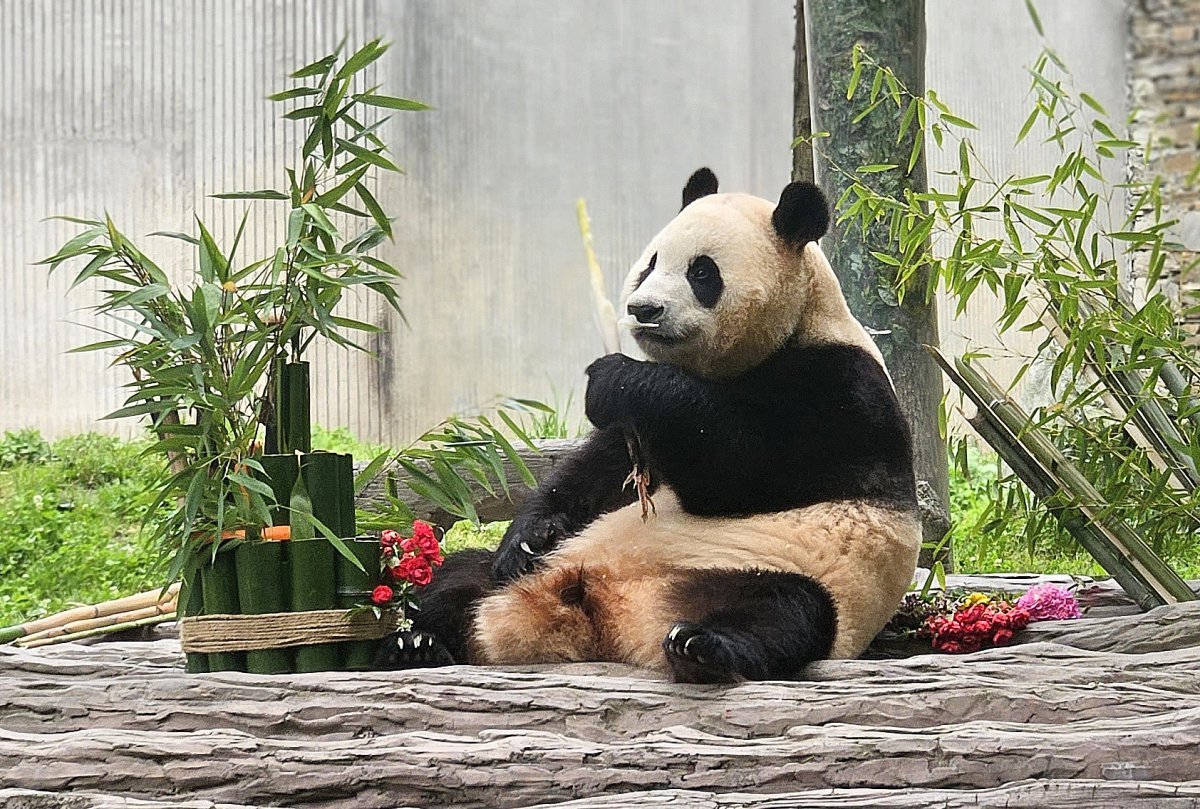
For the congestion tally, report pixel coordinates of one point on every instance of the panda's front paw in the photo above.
(699, 655)
(411, 650)
(528, 539)
(605, 377)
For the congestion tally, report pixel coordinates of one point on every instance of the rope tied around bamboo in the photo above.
(278, 630)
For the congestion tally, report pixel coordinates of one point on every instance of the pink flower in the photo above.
(1049, 602)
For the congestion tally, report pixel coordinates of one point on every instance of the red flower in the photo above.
(429, 548)
(381, 595)
(389, 538)
(414, 569)
(422, 530)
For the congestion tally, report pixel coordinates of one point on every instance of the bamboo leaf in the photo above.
(374, 158)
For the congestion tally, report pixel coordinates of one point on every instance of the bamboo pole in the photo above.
(1115, 545)
(125, 604)
(97, 623)
(602, 307)
(104, 630)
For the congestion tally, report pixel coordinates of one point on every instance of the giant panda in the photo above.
(784, 525)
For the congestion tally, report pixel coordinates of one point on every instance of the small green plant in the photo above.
(24, 446)
(1056, 248)
(202, 353)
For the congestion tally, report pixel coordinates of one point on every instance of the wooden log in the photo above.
(140, 687)
(1059, 793)
(515, 768)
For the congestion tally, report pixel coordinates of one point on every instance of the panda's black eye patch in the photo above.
(704, 276)
(649, 269)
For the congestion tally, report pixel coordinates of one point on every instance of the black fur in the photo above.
(802, 215)
(445, 615)
(809, 425)
(747, 624)
(702, 183)
(587, 483)
(704, 277)
(646, 272)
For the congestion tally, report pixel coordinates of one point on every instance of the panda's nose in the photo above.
(646, 312)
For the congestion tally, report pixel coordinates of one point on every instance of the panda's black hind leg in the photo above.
(747, 624)
(441, 630)
(412, 650)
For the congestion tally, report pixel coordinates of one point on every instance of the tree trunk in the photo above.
(894, 34)
(802, 152)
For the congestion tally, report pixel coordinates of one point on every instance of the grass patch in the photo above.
(1021, 539)
(69, 516)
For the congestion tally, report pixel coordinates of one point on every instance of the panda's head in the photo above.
(732, 277)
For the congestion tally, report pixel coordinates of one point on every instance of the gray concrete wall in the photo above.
(143, 108)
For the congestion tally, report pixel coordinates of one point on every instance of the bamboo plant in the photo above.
(204, 347)
(1069, 263)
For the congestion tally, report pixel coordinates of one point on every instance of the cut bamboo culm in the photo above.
(119, 605)
(1077, 505)
(103, 630)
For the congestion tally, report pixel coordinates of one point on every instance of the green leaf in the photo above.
(371, 471)
(367, 155)
(377, 213)
(362, 57)
(264, 194)
(317, 68)
(1093, 103)
(1033, 15)
(253, 484)
(295, 92)
(392, 103)
(954, 120)
(172, 234)
(875, 168)
(319, 218)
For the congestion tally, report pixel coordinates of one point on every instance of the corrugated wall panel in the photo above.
(144, 108)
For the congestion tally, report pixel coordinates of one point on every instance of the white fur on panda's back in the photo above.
(863, 554)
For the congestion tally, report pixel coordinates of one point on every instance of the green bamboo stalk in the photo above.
(218, 580)
(1126, 385)
(321, 479)
(290, 429)
(348, 525)
(1072, 520)
(354, 587)
(191, 603)
(313, 588)
(1130, 558)
(103, 630)
(280, 474)
(262, 582)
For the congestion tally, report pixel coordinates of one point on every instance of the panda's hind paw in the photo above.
(699, 655)
(412, 650)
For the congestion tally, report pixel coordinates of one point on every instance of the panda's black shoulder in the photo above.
(836, 373)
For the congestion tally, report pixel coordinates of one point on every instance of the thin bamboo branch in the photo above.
(125, 604)
(96, 623)
(104, 630)
(1115, 545)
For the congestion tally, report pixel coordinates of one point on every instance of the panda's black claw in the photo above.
(412, 650)
(698, 655)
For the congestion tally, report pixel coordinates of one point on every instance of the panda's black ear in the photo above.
(702, 183)
(802, 215)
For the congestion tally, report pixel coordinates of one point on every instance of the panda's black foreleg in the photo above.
(748, 624)
(585, 484)
(441, 630)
